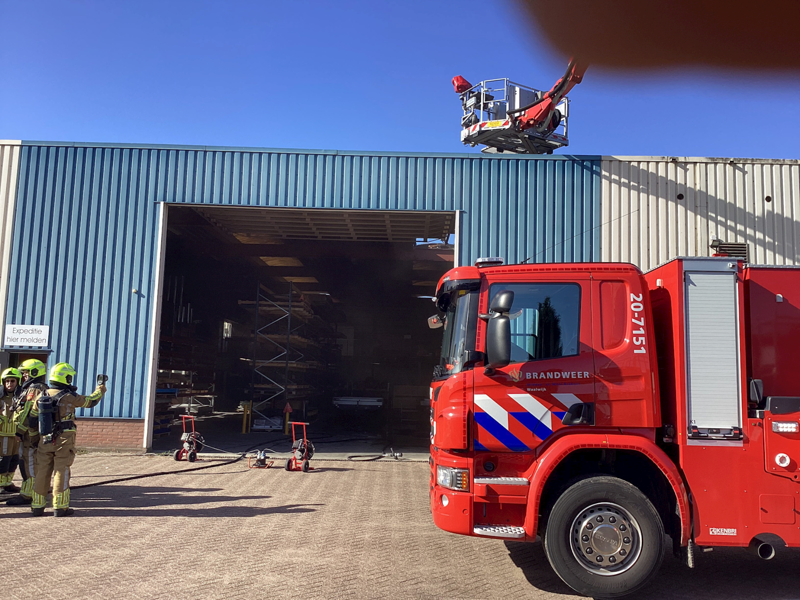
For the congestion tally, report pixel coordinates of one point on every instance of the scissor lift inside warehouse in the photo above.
(486, 120)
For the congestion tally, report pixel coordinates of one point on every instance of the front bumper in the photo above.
(456, 517)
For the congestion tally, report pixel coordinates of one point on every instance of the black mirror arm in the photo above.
(473, 357)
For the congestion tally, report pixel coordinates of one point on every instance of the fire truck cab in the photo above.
(601, 409)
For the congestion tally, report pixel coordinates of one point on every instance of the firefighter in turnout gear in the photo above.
(9, 442)
(27, 419)
(56, 452)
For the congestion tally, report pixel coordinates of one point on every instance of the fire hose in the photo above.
(241, 455)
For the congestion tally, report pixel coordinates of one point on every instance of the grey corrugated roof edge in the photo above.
(370, 153)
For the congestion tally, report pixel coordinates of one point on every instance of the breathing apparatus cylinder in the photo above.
(45, 415)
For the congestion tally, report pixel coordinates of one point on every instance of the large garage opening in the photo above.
(319, 312)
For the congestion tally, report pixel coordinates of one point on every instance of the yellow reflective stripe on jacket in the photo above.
(21, 417)
(93, 399)
(7, 427)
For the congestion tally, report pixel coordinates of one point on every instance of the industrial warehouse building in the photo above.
(216, 280)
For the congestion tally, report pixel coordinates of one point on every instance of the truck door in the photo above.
(624, 352)
(718, 458)
(518, 407)
(712, 351)
(773, 295)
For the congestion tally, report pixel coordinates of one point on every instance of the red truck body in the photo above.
(678, 382)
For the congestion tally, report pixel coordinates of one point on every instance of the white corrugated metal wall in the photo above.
(9, 167)
(656, 208)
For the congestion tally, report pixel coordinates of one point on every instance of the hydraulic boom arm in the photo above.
(505, 116)
(539, 114)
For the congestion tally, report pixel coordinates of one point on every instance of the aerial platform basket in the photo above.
(486, 121)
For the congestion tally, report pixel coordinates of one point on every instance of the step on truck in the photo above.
(602, 409)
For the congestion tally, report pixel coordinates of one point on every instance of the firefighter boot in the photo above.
(63, 512)
(18, 501)
(38, 512)
(6, 487)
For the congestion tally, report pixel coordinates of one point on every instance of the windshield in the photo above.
(459, 332)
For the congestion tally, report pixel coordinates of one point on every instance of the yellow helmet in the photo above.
(10, 373)
(35, 368)
(62, 373)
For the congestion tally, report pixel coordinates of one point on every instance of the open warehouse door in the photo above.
(318, 311)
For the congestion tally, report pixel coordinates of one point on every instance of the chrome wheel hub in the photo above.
(605, 539)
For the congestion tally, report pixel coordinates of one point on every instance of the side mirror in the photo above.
(502, 302)
(435, 322)
(756, 394)
(498, 332)
(498, 342)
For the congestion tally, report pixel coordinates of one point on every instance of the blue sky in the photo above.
(346, 75)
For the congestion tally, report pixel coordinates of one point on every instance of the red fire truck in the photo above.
(601, 408)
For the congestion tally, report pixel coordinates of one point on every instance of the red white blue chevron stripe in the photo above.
(518, 421)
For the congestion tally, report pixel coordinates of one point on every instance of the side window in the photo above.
(613, 313)
(545, 319)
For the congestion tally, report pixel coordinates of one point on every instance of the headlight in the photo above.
(453, 479)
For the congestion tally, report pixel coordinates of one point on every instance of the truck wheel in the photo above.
(604, 538)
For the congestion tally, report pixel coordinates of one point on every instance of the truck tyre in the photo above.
(604, 538)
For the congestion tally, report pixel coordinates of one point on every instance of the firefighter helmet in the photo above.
(35, 368)
(62, 373)
(10, 373)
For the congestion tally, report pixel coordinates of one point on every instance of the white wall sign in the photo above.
(27, 336)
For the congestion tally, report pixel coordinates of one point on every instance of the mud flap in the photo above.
(685, 554)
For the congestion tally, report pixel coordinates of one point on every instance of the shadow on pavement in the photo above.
(724, 574)
(214, 512)
(80, 480)
(133, 496)
(85, 511)
(728, 574)
(327, 469)
(531, 559)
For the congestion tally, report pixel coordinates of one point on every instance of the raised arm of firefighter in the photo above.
(57, 428)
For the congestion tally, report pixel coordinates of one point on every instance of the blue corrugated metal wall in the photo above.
(87, 218)
(544, 208)
(84, 237)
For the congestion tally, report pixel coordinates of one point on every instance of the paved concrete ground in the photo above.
(344, 530)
